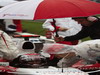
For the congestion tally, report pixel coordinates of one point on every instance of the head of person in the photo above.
(85, 21)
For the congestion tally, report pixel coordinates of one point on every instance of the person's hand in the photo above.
(62, 29)
(58, 39)
(47, 29)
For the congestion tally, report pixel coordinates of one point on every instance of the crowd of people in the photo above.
(88, 27)
(65, 53)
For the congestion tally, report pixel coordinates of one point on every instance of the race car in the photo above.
(25, 57)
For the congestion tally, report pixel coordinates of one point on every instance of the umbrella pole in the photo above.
(56, 31)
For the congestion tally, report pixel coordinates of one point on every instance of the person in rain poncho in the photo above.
(90, 28)
(64, 27)
(69, 55)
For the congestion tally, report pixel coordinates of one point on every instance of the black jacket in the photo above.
(92, 31)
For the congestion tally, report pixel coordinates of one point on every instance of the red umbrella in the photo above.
(44, 9)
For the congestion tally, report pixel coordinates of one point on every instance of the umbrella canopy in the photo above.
(44, 9)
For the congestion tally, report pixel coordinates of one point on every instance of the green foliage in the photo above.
(34, 27)
(85, 39)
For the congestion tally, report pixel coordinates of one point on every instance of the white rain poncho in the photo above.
(87, 50)
(7, 46)
(72, 26)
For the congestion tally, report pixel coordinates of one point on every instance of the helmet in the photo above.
(29, 61)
